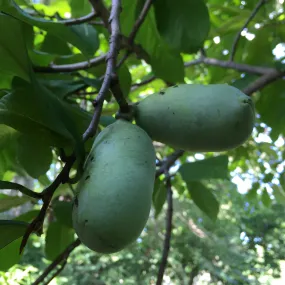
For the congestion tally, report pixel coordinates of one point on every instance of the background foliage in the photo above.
(228, 208)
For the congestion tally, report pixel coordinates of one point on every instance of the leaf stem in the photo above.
(20, 188)
(61, 258)
(167, 238)
(237, 38)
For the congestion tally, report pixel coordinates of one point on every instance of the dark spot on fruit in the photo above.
(173, 113)
(92, 158)
(87, 177)
(161, 92)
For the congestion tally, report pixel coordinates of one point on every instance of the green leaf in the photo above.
(34, 155)
(63, 213)
(272, 97)
(17, 109)
(279, 194)
(83, 36)
(210, 168)
(7, 202)
(58, 237)
(204, 199)
(252, 193)
(159, 196)
(265, 198)
(49, 46)
(10, 231)
(28, 216)
(63, 87)
(264, 51)
(184, 25)
(13, 54)
(10, 255)
(125, 79)
(79, 8)
(166, 63)
(51, 119)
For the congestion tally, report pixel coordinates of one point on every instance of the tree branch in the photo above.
(137, 85)
(102, 11)
(230, 65)
(37, 224)
(111, 65)
(237, 38)
(20, 188)
(167, 238)
(80, 20)
(139, 21)
(168, 162)
(262, 81)
(252, 69)
(61, 258)
(53, 68)
(135, 29)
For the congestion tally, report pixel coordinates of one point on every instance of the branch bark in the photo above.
(168, 162)
(231, 65)
(71, 67)
(20, 188)
(111, 65)
(62, 258)
(139, 21)
(262, 81)
(80, 20)
(167, 239)
(237, 38)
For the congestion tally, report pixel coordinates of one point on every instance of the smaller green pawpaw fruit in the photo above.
(198, 118)
(114, 195)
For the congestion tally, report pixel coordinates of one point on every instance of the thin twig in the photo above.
(111, 65)
(61, 258)
(37, 223)
(252, 69)
(80, 20)
(102, 12)
(167, 237)
(237, 38)
(124, 58)
(230, 65)
(56, 273)
(139, 21)
(20, 188)
(142, 83)
(137, 25)
(53, 68)
(262, 81)
(169, 161)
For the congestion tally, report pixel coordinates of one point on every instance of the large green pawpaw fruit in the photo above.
(198, 118)
(114, 195)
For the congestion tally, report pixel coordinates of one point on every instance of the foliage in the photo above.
(53, 66)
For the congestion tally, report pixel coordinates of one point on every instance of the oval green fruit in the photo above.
(198, 118)
(114, 195)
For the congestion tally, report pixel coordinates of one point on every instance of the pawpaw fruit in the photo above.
(114, 195)
(198, 118)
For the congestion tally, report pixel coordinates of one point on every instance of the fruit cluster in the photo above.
(114, 195)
